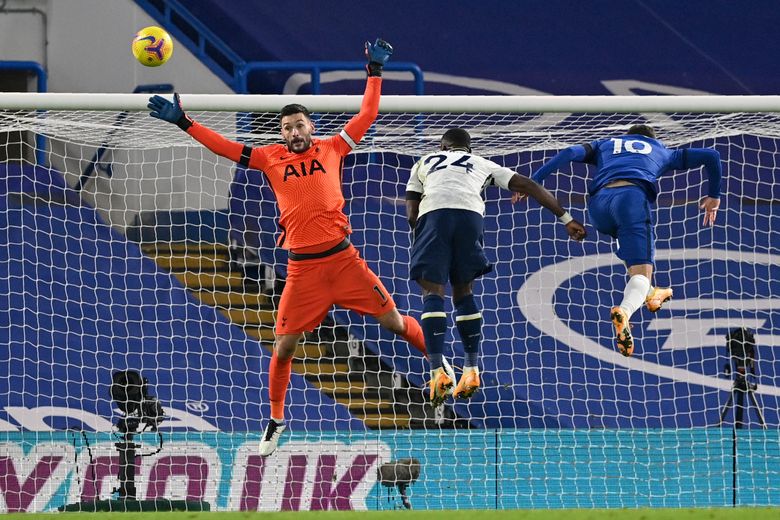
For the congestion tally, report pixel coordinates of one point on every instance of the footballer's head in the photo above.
(645, 130)
(456, 139)
(297, 127)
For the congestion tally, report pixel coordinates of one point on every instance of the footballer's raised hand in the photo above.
(377, 54)
(171, 112)
(710, 206)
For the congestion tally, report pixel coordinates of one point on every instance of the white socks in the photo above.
(637, 289)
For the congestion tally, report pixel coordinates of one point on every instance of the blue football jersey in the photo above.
(634, 158)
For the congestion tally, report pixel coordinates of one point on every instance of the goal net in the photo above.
(127, 246)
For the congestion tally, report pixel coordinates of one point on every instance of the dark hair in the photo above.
(456, 138)
(645, 130)
(294, 108)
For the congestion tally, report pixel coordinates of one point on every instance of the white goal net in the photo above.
(127, 246)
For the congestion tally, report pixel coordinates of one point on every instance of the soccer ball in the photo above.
(152, 46)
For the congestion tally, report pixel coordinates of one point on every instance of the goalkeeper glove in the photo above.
(163, 109)
(377, 54)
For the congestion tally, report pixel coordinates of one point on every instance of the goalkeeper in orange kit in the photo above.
(324, 268)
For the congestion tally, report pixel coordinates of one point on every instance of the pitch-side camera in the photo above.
(742, 348)
(742, 351)
(130, 391)
(401, 474)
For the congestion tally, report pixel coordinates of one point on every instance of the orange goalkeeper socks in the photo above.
(414, 335)
(278, 380)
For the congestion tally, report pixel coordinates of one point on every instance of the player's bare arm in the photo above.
(413, 199)
(524, 185)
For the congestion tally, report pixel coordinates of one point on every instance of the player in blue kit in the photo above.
(621, 192)
(445, 208)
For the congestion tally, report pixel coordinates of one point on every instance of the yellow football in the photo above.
(152, 46)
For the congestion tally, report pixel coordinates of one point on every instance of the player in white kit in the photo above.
(445, 208)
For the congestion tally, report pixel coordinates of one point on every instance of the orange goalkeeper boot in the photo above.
(440, 385)
(625, 343)
(657, 298)
(468, 384)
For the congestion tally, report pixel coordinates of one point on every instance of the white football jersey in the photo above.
(455, 180)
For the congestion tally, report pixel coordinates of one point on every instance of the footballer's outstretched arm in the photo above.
(236, 152)
(710, 159)
(522, 184)
(357, 127)
(577, 153)
(377, 55)
(172, 112)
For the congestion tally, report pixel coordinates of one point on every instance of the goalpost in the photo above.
(126, 245)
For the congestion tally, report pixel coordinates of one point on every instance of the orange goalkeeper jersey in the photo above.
(307, 185)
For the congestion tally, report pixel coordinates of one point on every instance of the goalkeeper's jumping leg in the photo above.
(278, 381)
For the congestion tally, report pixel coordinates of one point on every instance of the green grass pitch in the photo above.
(556, 514)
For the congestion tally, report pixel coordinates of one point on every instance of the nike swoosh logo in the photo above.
(438, 334)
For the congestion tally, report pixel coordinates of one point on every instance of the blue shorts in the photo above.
(624, 213)
(448, 246)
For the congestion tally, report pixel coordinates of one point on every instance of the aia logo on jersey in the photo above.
(302, 171)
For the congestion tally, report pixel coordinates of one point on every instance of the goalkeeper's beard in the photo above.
(299, 144)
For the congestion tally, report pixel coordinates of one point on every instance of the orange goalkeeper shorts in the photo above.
(313, 286)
